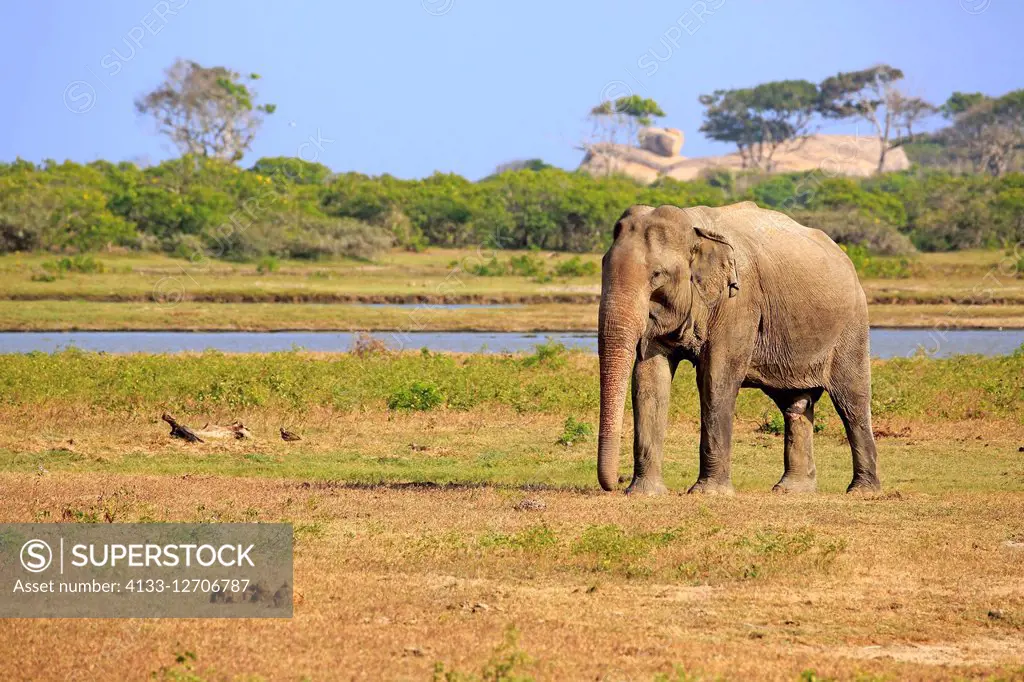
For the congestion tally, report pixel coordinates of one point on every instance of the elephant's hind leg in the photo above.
(850, 390)
(800, 475)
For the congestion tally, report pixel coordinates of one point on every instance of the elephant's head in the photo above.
(662, 269)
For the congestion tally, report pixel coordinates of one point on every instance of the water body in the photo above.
(885, 343)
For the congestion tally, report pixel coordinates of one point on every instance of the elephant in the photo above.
(752, 299)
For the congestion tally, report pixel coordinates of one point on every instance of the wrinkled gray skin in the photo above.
(752, 299)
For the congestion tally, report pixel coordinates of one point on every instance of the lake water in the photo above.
(885, 343)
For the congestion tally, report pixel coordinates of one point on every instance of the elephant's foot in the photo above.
(795, 484)
(710, 486)
(647, 485)
(864, 485)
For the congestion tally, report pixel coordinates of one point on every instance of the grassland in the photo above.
(960, 290)
(464, 538)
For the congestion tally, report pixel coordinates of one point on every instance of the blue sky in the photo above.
(411, 87)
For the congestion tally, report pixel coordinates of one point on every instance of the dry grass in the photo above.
(391, 580)
(922, 582)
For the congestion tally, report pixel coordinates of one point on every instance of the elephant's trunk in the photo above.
(620, 325)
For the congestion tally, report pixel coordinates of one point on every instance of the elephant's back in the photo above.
(772, 240)
(804, 286)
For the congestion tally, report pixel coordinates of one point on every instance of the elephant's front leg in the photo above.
(718, 390)
(652, 384)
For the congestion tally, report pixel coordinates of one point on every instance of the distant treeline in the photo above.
(199, 207)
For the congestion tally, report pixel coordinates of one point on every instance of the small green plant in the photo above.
(576, 267)
(183, 670)
(365, 345)
(679, 674)
(526, 265)
(550, 353)
(503, 666)
(491, 268)
(267, 264)
(532, 539)
(775, 425)
(574, 432)
(81, 264)
(419, 395)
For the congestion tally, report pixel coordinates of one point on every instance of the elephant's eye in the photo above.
(656, 275)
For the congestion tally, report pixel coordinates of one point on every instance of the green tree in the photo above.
(873, 95)
(761, 119)
(989, 129)
(206, 111)
(959, 102)
(629, 112)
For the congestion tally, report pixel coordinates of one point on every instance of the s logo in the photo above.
(36, 556)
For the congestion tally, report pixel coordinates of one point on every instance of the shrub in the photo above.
(526, 265)
(774, 425)
(268, 264)
(574, 432)
(83, 264)
(289, 208)
(854, 229)
(491, 268)
(365, 344)
(419, 395)
(877, 267)
(551, 353)
(576, 267)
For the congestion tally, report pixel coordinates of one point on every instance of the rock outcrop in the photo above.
(666, 142)
(658, 156)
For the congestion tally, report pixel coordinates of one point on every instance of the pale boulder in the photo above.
(667, 142)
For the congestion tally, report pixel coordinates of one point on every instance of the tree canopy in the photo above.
(760, 119)
(206, 111)
(873, 95)
(630, 112)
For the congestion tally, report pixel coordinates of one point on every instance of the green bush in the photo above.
(574, 432)
(576, 267)
(551, 353)
(83, 264)
(526, 265)
(855, 229)
(876, 267)
(491, 268)
(774, 424)
(419, 395)
(268, 264)
(289, 208)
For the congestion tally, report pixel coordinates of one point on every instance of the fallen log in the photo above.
(180, 430)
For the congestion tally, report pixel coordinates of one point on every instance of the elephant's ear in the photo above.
(713, 266)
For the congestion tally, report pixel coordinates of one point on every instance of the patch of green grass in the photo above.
(551, 380)
(532, 539)
(611, 548)
(82, 264)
